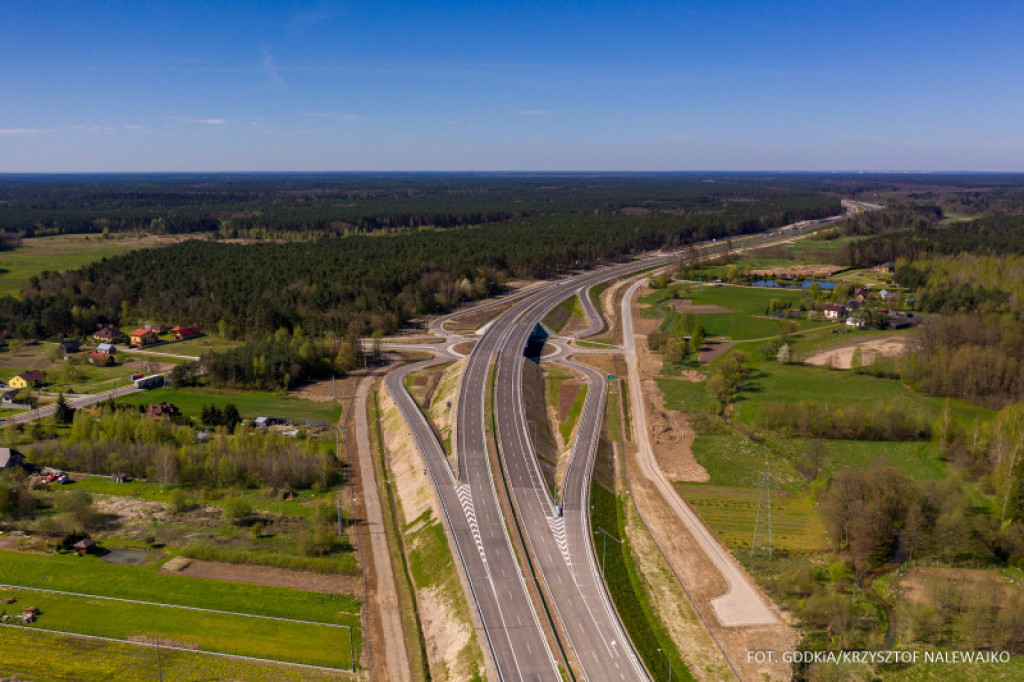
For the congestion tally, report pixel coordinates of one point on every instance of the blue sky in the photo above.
(148, 86)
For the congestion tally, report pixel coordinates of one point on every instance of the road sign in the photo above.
(611, 376)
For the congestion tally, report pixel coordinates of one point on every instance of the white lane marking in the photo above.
(557, 525)
(466, 500)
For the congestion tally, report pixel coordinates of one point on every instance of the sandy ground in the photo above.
(446, 633)
(672, 439)
(877, 347)
(713, 350)
(703, 657)
(323, 392)
(687, 306)
(278, 577)
(128, 510)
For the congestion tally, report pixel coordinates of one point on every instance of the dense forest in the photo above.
(361, 284)
(298, 205)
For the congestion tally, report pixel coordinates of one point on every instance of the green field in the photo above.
(36, 654)
(250, 404)
(732, 513)
(747, 305)
(64, 252)
(91, 575)
(226, 633)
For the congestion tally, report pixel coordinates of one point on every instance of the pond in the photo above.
(131, 557)
(806, 284)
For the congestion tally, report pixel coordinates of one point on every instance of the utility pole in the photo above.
(159, 662)
(669, 659)
(604, 545)
(763, 524)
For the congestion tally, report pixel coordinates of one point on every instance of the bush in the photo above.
(236, 510)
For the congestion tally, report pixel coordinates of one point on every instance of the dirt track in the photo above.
(841, 355)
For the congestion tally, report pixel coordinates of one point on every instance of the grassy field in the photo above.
(39, 655)
(226, 633)
(91, 575)
(747, 306)
(732, 514)
(64, 252)
(250, 403)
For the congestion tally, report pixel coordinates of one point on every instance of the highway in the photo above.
(474, 521)
(561, 547)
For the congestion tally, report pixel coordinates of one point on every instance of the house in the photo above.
(835, 312)
(856, 322)
(158, 328)
(32, 378)
(10, 458)
(142, 337)
(162, 410)
(85, 546)
(121, 477)
(10, 397)
(886, 295)
(887, 268)
(101, 359)
(67, 347)
(107, 348)
(182, 333)
(108, 335)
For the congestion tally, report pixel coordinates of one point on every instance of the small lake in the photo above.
(131, 557)
(806, 284)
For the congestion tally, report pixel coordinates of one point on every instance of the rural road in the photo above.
(395, 656)
(742, 603)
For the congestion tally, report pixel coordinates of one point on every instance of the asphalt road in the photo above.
(562, 547)
(473, 520)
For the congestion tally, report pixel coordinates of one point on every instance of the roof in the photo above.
(186, 330)
(140, 331)
(33, 375)
(99, 354)
(106, 348)
(85, 544)
(836, 307)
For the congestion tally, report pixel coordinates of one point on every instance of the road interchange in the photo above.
(561, 546)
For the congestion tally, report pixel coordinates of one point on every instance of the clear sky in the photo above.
(575, 85)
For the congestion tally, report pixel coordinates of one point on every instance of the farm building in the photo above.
(121, 477)
(32, 378)
(107, 348)
(182, 333)
(67, 347)
(85, 546)
(142, 337)
(100, 359)
(108, 335)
